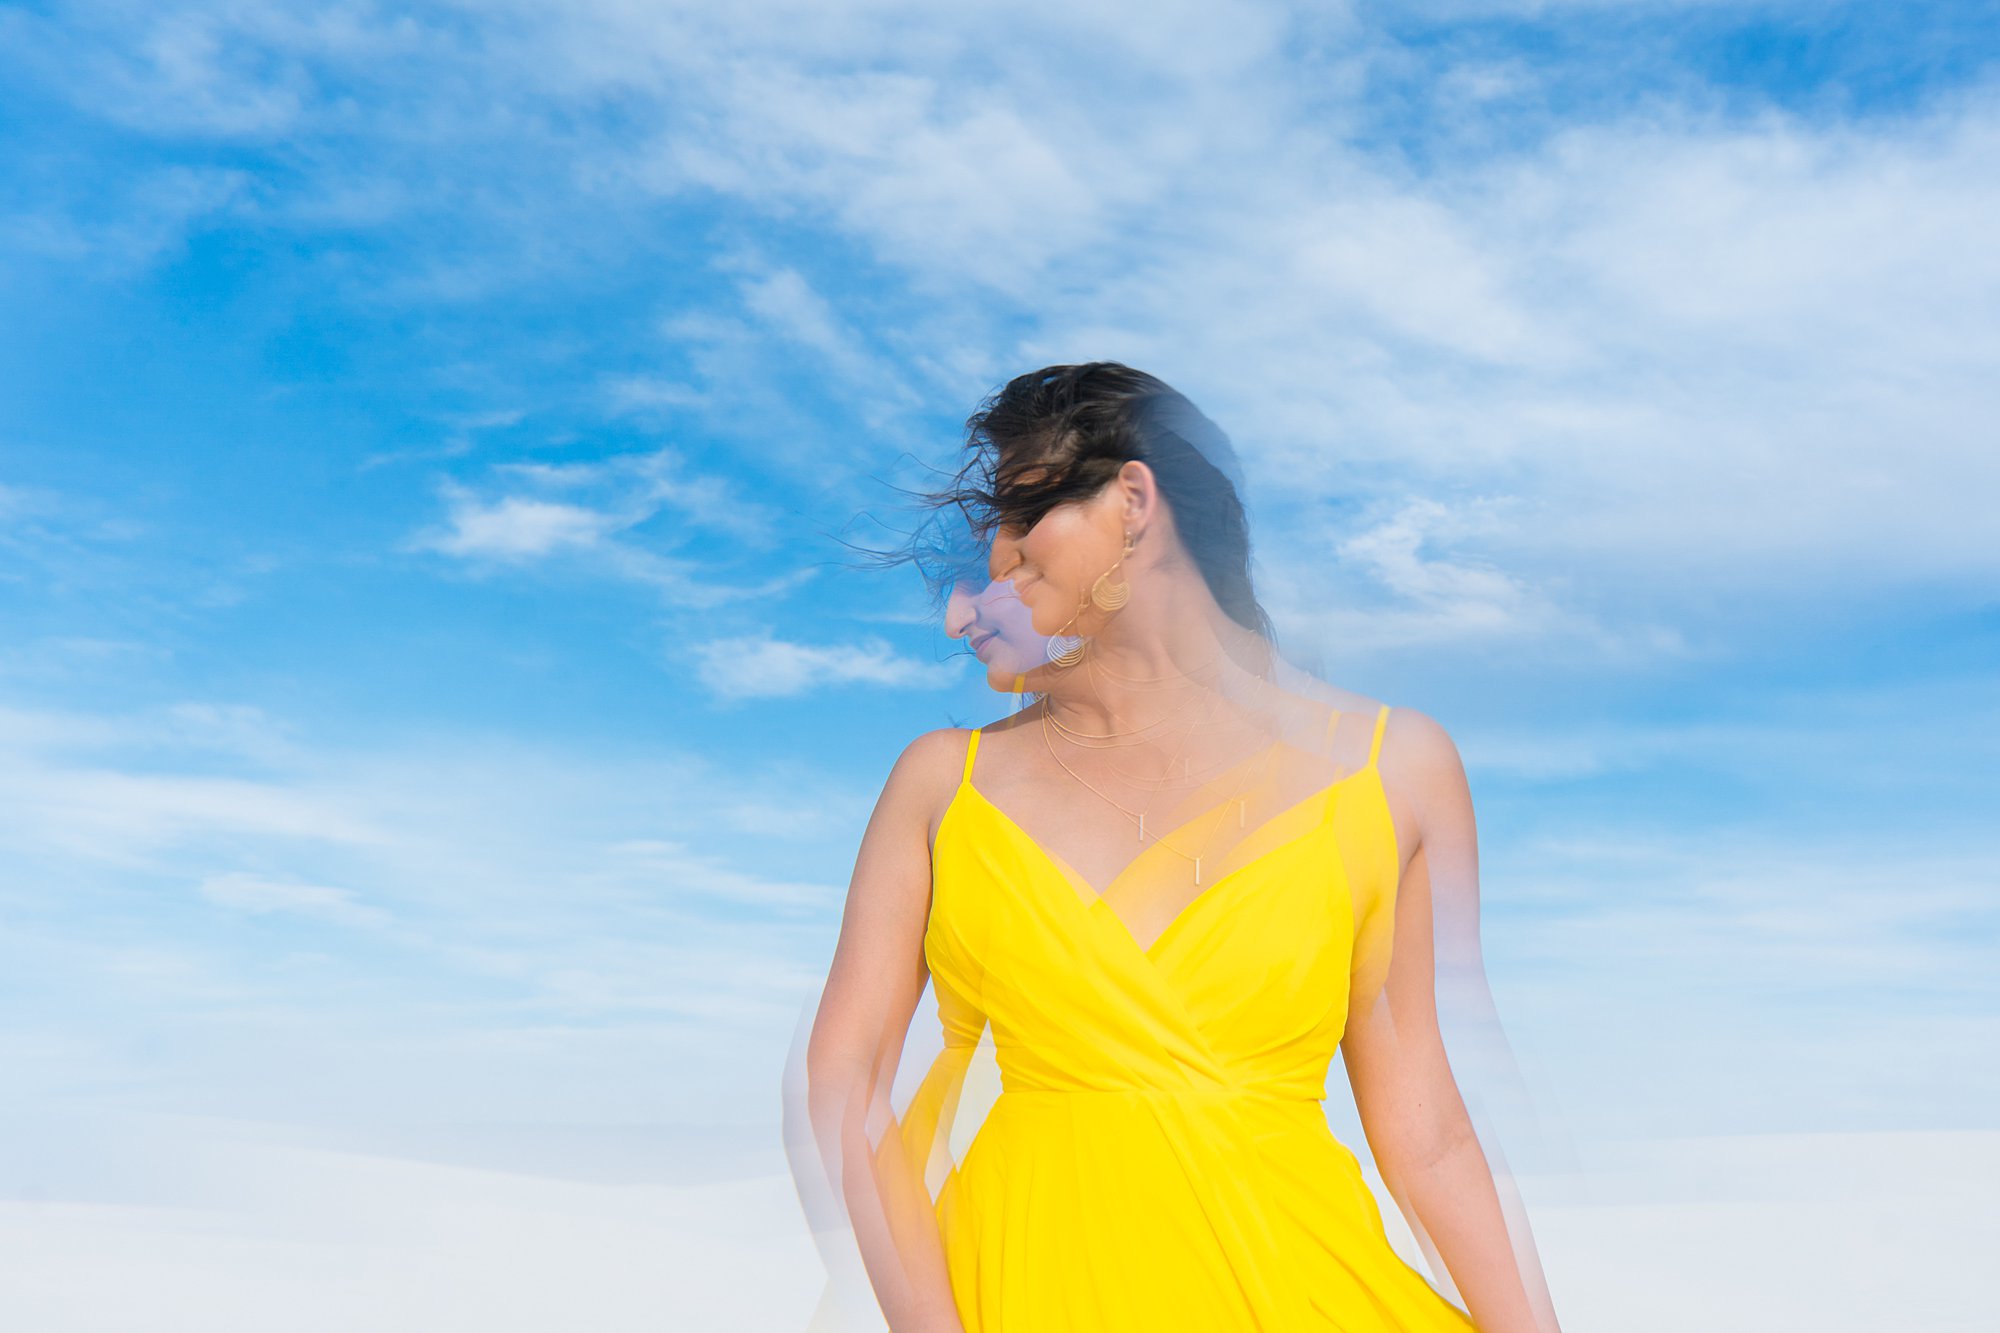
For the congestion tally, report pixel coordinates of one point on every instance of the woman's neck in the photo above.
(1163, 654)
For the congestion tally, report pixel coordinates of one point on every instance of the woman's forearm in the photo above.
(1453, 1204)
(894, 1223)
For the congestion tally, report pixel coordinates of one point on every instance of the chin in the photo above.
(1000, 677)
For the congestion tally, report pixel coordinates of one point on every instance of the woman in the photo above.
(1169, 889)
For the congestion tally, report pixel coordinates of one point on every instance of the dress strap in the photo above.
(1375, 746)
(971, 749)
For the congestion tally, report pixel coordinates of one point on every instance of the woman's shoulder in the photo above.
(937, 751)
(1403, 737)
(947, 746)
(936, 760)
(931, 768)
(1414, 753)
(1421, 773)
(1415, 743)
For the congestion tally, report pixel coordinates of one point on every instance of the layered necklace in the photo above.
(1097, 741)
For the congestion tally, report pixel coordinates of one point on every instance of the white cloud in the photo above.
(759, 666)
(1469, 594)
(515, 527)
(790, 305)
(1647, 327)
(1701, 346)
(258, 894)
(624, 516)
(105, 814)
(348, 935)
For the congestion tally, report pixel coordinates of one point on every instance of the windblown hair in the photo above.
(1061, 433)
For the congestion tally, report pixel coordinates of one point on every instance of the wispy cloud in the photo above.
(258, 895)
(1633, 318)
(763, 667)
(561, 887)
(623, 516)
(515, 527)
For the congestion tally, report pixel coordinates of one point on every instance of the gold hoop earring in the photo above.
(1108, 594)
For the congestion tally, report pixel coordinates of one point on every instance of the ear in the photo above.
(1137, 489)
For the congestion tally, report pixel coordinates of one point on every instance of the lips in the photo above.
(979, 641)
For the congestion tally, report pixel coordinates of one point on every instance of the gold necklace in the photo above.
(1098, 665)
(1197, 674)
(1151, 795)
(1140, 817)
(1082, 739)
(1152, 784)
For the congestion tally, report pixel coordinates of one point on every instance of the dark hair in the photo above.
(1061, 433)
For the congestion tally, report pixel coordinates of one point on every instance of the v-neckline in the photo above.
(1097, 899)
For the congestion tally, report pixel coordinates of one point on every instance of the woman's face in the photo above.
(1037, 578)
(997, 627)
(1053, 563)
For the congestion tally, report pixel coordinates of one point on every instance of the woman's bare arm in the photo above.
(1411, 1109)
(873, 985)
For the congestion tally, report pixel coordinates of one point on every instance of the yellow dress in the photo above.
(1158, 1157)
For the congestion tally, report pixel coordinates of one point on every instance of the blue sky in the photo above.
(434, 712)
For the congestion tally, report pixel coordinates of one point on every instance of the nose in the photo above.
(959, 611)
